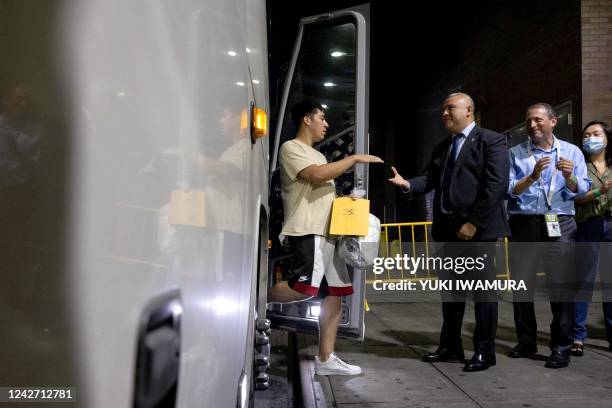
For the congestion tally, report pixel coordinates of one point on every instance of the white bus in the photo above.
(136, 164)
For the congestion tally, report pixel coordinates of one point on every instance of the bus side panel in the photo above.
(159, 96)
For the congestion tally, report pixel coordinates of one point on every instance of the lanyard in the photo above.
(551, 188)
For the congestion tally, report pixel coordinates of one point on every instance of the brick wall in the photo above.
(519, 53)
(596, 30)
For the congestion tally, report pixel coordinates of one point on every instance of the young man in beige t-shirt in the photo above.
(308, 193)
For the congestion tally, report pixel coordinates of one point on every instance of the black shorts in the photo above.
(316, 267)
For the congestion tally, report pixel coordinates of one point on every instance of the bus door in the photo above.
(330, 65)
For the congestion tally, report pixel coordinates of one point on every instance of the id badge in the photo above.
(552, 225)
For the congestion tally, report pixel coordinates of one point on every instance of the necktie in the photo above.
(448, 172)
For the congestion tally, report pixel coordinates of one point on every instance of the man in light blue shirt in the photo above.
(530, 184)
(545, 175)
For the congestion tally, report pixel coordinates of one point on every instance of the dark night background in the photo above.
(506, 55)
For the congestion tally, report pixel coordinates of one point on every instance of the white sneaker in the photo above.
(334, 366)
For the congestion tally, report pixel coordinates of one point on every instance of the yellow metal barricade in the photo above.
(391, 248)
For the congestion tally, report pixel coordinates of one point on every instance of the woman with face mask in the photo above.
(594, 218)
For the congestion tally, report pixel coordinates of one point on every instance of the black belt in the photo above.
(537, 217)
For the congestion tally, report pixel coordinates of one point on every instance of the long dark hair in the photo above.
(608, 132)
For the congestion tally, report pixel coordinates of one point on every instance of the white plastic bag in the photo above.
(359, 252)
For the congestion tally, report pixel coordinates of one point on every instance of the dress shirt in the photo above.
(464, 134)
(533, 200)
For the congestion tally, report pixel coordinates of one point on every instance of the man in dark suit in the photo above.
(469, 173)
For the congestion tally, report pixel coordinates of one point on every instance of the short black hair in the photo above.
(303, 108)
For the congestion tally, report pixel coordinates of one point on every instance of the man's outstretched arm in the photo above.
(318, 174)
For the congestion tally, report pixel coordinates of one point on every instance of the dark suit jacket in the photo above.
(478, 184)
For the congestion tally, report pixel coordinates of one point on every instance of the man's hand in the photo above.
(367, 158)
(467, 231)
(398, 180)
(567, 167)
(540, 166)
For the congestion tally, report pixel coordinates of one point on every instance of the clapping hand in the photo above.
(540, 166)
(566, 166)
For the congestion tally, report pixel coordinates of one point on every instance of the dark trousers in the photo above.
(555, 255)
(484, 332)
(453, 304)
(595, 252)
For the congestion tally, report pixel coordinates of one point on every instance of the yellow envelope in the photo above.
(350, 217)
(187, 207)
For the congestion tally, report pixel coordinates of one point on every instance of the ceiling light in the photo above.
(337, 54)
(232, 53)
(329, 84)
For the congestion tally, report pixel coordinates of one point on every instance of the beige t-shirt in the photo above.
(307, 206)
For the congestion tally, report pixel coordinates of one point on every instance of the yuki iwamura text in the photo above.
(436, 263)
(450, 285)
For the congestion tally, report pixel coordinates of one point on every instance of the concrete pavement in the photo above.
(398, 334)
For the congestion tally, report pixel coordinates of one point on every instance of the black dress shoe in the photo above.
(558, 359)
(521, 350)
(577, 349)
(443, 354)
(480, 362)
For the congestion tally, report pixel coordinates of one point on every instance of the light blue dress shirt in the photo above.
(533, 200)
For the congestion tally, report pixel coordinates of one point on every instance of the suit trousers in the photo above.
(453, 303)
(555, 255)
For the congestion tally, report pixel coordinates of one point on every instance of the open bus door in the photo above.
(329, 64)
